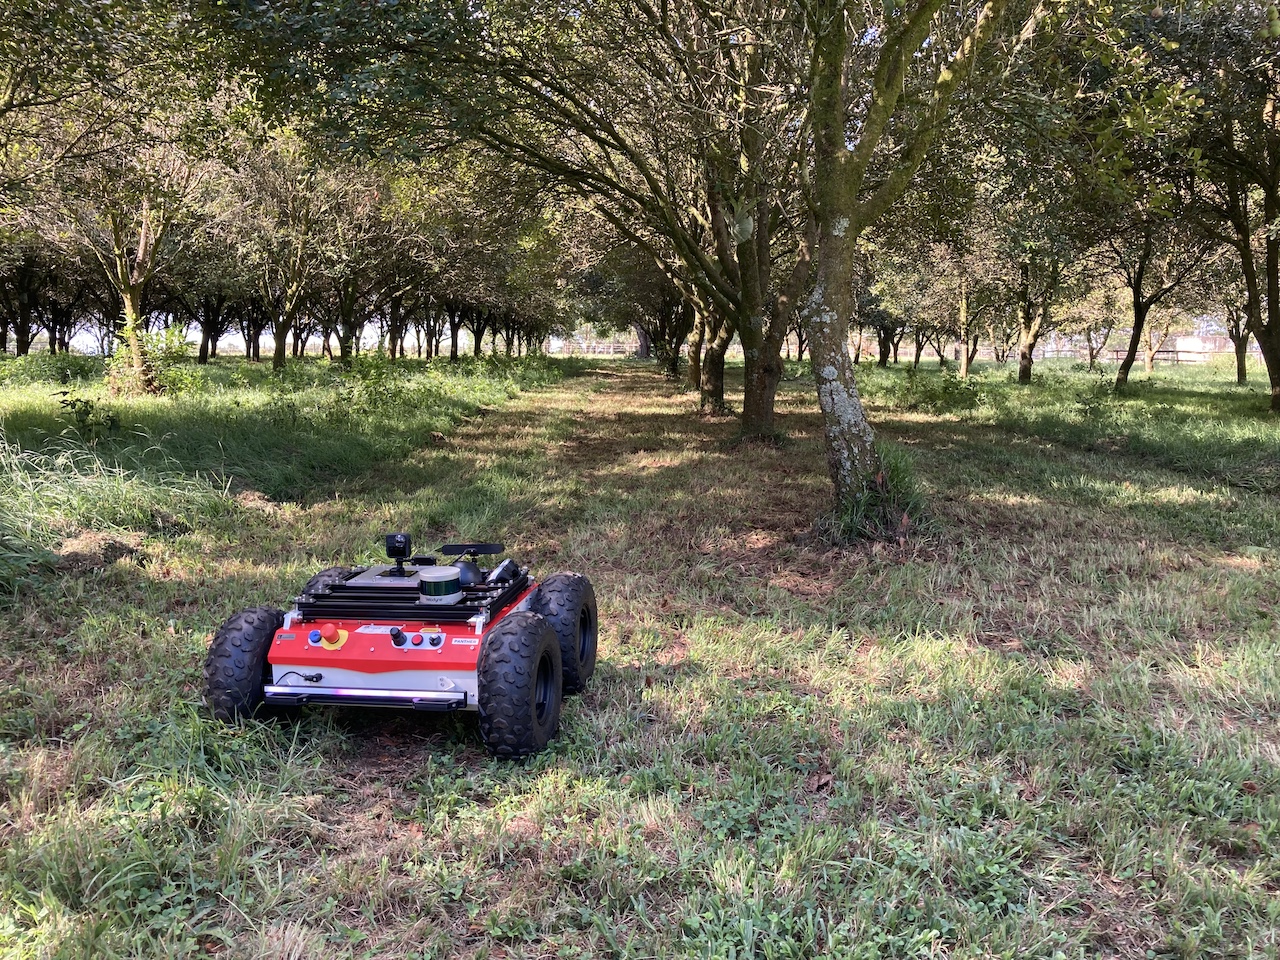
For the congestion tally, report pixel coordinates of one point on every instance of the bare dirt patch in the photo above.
(92, 551)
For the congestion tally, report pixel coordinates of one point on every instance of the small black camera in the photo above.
(399, 546)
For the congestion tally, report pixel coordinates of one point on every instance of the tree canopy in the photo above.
(703, 172)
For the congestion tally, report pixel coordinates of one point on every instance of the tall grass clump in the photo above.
(22, 560)
(55, 491)
(889, 508)
(60, 368)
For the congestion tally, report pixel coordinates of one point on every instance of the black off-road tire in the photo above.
(568, 601)
(327, 576)
(519, 685)
(237, 667)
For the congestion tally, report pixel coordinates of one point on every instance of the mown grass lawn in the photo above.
(1048, 724)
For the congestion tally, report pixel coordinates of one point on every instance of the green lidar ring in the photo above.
(445, 589)
(440, 584)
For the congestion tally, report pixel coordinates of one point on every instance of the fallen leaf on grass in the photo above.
(819, 782)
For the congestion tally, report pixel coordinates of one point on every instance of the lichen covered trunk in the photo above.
(852, 460)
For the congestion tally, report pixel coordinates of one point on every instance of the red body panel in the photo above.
(366, 645)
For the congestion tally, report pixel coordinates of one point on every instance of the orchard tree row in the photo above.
(147, 197)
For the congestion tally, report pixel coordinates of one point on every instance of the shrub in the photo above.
(89, 419)
(889, 506)
(64, 368)
(933, 393)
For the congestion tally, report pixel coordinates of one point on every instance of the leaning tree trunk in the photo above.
(1140, 309)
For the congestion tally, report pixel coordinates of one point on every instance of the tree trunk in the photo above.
(1268, 334)
(455, 324)
(1140, 310)
(395, 326)
(131, 333)
(1269, 343)
(23, 327)
(852, 460)
(713, 369)
(761, 375)
(695, 350)
(1241, 345)
(280, 330)
(1149, 358)
(644, 348)
(884, 339)
(1030, 322)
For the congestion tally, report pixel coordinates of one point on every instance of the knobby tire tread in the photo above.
(561, 599)
(507, 680)
(237, 662)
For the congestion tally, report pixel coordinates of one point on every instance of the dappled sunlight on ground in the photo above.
(1048, 721)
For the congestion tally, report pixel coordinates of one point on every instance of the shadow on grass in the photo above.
(1010, 739)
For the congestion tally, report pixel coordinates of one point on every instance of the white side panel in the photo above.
(286, 675)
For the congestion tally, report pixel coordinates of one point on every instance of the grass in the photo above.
(1047, 725)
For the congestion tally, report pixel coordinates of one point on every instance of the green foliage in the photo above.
(89, 419)
(890, 507)
(930, 392)
(59, 368)
(169, 359)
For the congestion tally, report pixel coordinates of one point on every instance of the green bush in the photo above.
(889, 506)
(932, 392)
(64, 368)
